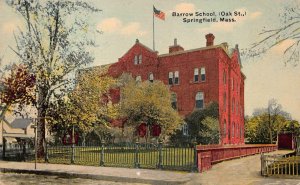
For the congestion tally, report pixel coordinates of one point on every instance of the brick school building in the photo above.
(196, 77)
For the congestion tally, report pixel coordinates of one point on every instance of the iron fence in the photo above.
(132, 155)
(136, 155)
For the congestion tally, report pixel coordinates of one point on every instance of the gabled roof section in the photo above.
(21, 123)
(137, 42)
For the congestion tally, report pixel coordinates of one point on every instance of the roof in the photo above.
(196, 49)
(21, 123)
(17, 135)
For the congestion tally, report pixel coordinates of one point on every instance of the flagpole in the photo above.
(153, 28)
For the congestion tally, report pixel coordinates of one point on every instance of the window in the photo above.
(233, 125)
(203, 77)
(199, 100)
(135, 60)
(241, 132)
(224, 101)
(224, 128)
(170, 78)
(140, 59)
(224, 77)
(232, 84)
(174, 101)
(185, 129)
(176, 79)
(138, 79)
(196, 75)
(151, 77)
(232, 106)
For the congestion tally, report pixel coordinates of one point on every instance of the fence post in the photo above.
(195, 167)
(159, 155)
(102, 154)
(262, 165)
(73, 153)
(3, 148)
(46, 155)
(136, 158)
(24, 150)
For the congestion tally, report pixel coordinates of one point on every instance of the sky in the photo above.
(122, 22)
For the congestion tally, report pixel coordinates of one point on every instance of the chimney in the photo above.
(210, 39)
(175, 47)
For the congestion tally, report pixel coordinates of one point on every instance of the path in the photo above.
(243, 171)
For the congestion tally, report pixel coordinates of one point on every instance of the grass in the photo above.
(172, 158)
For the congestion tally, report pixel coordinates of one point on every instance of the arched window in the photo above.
(151, 77)
(233, 105)
(224, 128)
(199, 100)
(196, 74)
(224, 77)
(233, 126)
(203, 75)
(170, 78)
(241, 132)
(224, 101)
(174, 101)
(140, 59)
(135, 60)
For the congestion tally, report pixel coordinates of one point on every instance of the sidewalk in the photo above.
(101, 173)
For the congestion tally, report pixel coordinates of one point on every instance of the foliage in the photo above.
(85, 108)
(265, 124)
(18, 88)
(203, 126)
(198, 127)
(211, 134)
(288, 31)
(53, 46)
(150, 103)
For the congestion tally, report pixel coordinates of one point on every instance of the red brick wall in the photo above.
(215, 60)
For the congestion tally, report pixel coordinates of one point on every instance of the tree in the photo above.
(53, 46)
(289, 30)
(267, 123)
(203, 124)
(17, 88)
(149, 103)
(87, 107)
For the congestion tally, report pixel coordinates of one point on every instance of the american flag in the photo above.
(158, 13)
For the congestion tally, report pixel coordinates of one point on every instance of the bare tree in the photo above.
(289, 30)
(53, 46)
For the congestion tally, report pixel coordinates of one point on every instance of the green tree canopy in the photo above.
(265, 123)
(149, 103)
(87, 107)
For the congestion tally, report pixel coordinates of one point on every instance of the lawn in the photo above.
(172, 158)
